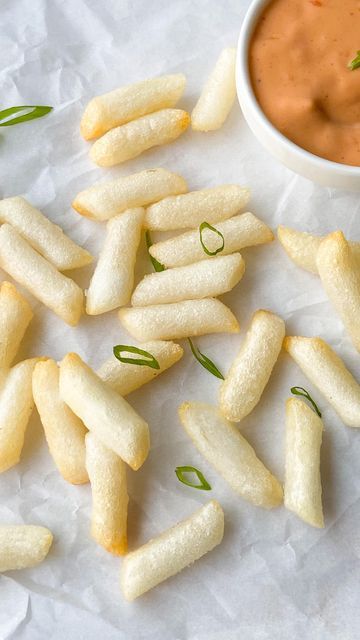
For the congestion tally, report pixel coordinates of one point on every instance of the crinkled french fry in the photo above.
(16, 405)
(132, 139)
(302, 248)
(172, 551)
(208, 278)
(130, 102)
(113, 279)
(43, 235)
(218, 94)
(189, 210)
(107, 199)
(222, 444)
(178, 320)
(15, 316)
(341, 280)
(23, 546)
(104, 411)
(250, 372)
(241, 231)
(64, 431)
(125, 378)
(327, 372)
(40, 277)
(107, 473)
(302, 488)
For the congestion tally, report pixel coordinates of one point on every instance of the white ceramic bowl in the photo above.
(325, 172)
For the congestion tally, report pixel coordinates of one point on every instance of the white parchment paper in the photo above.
(273, 576)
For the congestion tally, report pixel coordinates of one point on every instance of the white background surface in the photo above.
(273, 576)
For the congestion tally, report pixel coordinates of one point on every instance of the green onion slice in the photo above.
(155, 263)
(181, 471)
(35, 112)
(355, 64)
(206, 225)
(205, 361)
(300, 391)
(150, 360)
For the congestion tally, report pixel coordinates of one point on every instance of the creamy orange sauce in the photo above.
(298, 61)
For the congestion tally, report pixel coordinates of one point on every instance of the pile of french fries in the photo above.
(92, 431)
(135, 118)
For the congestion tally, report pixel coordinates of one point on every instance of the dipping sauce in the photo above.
(298, 60)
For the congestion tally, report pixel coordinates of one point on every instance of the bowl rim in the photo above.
(243, 84)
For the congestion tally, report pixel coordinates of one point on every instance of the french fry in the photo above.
(16, 405)
(178, 320)
(222, 444)
(107, 199)
(218, 94)
(189, 210)
(130, 102)
(208, 278)
(64, 431)
(107, 473)
(125, 378)
(15, 316)
(327, 372)
(244, 230)
(130, 140)
(43, 235)
(23, 546)
(112, 282)
(61, 294)
(302, 488)
(172, 551)
(113, 279)
(341, 280)
(104, 411)
(302, 248)
(250, 372)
